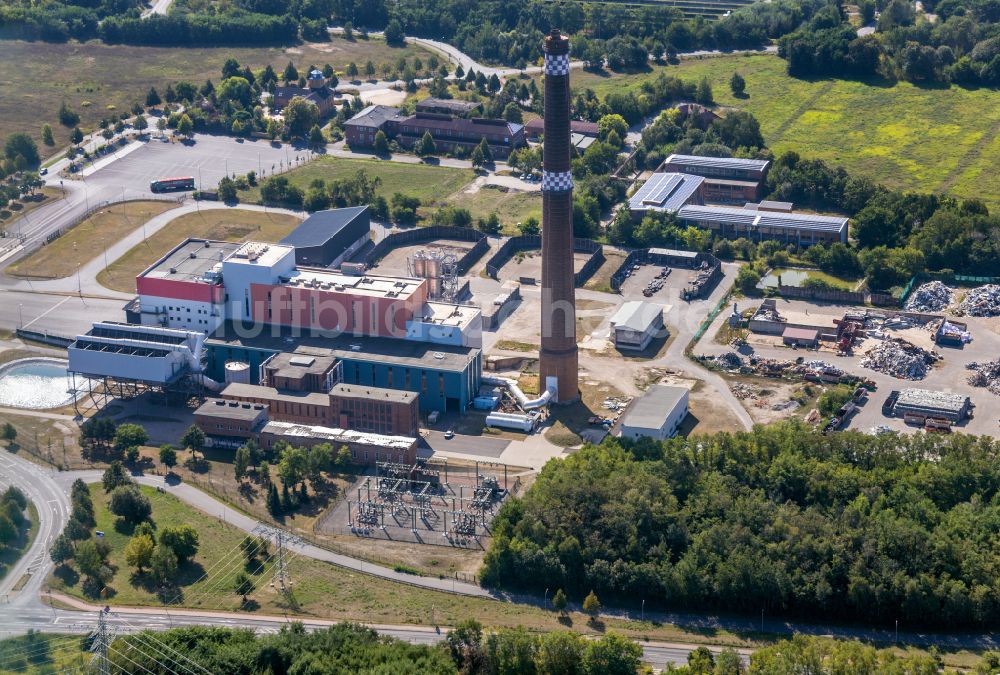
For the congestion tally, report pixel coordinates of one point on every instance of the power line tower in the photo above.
(281, 577)
(103, 637)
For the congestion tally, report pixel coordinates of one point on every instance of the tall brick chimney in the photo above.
(558, 357)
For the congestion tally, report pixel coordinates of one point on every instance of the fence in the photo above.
(671, 257)
(44, 338)
(424, 234)
(531, 242)
(823, 294)
(698, 334)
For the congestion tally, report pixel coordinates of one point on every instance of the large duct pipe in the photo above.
(558, 355)
(551, 390)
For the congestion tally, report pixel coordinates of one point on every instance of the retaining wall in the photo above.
(423, 234)
(531, 242)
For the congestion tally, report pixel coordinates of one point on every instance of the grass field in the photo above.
(511, 207)
(217, 542)
(429, 183)
(920, 138)
(87, 240)
(220, 224)
(37, 76)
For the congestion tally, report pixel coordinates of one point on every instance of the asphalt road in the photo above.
(59, 314)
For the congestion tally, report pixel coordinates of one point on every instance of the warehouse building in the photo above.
(921, 404)
(666, 192)
(658, 414)
(800, 337)
(636, 324)
(328, 238)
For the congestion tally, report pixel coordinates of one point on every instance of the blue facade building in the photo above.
(446, 377)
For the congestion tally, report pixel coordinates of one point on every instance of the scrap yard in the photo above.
(945, 339)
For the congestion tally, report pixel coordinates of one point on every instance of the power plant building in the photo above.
(328, 238)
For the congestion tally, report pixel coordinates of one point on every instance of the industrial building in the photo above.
(201, 284)
(365, 448)
(657, 414)
(921, 404)
(328, 238)
(759, 223)
(446, 377)
(727, 179)
(800, 337)
(666, 192)
(368, 409)
(230, 423)
(636, 324)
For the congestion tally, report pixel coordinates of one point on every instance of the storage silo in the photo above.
(237, 371)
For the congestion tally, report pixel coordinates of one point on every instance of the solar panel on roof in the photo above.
(664, 188)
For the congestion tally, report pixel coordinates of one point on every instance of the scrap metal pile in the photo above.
(985, 375)
(729, 361)
(982, 301)
(933, 296)
(899, 358)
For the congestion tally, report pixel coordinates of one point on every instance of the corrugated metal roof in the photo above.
(720, 162)
(800, 221)
(665, 192)
(322, 226)
(718, 214)
(636, 315)
(655, 406)
(759, 219)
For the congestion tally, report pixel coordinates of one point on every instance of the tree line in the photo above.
(781, 519)
(962, 45)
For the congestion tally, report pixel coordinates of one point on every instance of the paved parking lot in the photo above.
(206, 158)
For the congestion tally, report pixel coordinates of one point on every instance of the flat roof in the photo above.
(378, 393)
(720, 162)
(192, 260)
(242, 390)
(764, 219)
(371, 285)
(335, 435)
(322, 226)
(231, 410)
(406, 353)
(665, 192)
(926, 398)
(637, 315)
(448, 314)
(259, 253)
(674, 253)
(297, 365)
(800, 333)
(652, 409)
